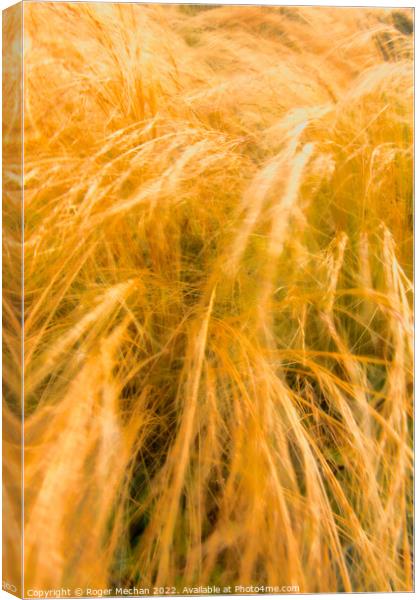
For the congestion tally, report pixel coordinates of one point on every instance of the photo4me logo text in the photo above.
(160, 591)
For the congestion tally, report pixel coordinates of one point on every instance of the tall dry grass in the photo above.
(218, 321)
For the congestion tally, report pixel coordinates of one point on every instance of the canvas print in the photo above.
(207, 292)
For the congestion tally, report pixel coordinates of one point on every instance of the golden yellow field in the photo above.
(217, 296)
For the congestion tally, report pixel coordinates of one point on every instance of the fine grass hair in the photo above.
(217, 296)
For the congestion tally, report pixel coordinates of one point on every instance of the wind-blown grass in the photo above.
(218, 321)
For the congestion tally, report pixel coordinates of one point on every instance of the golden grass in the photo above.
(218, 310)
